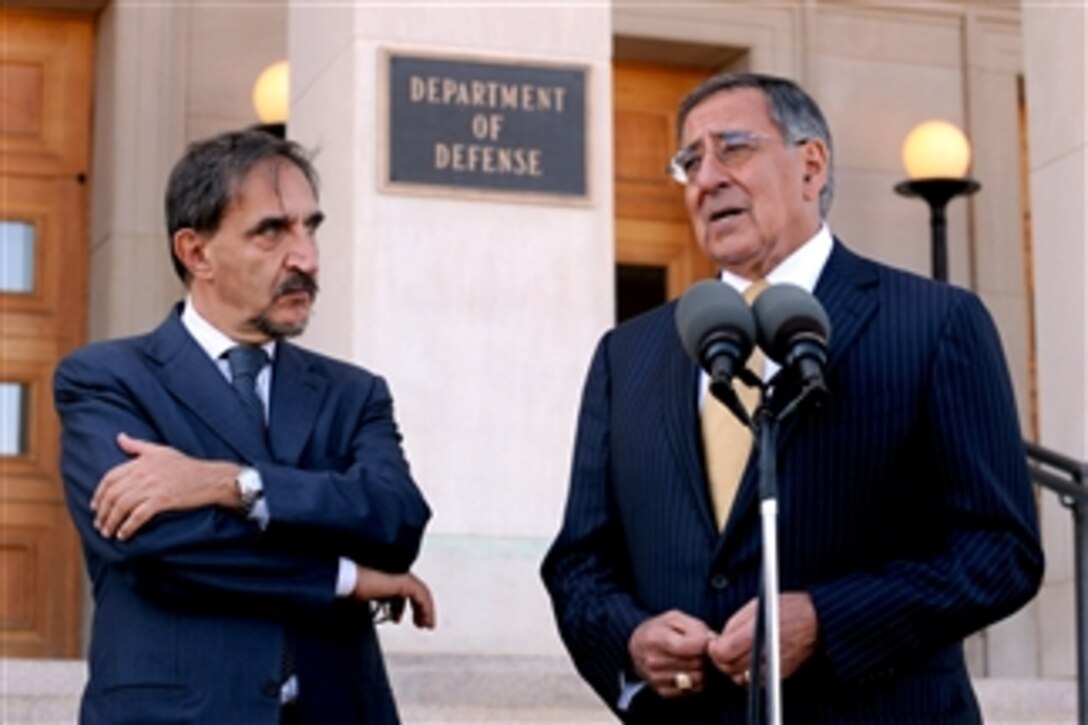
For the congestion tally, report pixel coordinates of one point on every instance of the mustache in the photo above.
(297, 282)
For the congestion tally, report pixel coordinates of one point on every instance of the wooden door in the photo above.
(656, 255)
(45, 106)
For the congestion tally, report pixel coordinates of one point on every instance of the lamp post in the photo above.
(936, 155)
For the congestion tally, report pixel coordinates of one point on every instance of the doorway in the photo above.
(656, 256)
(46, 62)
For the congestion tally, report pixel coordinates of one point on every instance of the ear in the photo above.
(814, 168)
(191, 248)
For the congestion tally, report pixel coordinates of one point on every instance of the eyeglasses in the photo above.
(731, 149)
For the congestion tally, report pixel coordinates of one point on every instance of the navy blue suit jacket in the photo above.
(191, 613)
(905, 508)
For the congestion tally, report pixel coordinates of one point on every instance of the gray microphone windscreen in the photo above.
(784, 311)
(709, 306)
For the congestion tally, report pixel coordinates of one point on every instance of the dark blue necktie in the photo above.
(245, 362)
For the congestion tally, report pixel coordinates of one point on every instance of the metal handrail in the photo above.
(1067, 478)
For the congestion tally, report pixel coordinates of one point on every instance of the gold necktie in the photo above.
(726, 442)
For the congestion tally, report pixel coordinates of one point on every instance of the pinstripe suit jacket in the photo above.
(905, 508)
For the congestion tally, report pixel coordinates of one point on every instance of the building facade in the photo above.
(481, 307)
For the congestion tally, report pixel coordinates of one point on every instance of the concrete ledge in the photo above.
(447, 689)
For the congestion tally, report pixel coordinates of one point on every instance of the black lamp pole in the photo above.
(937, 193)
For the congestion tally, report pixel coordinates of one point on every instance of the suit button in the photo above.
(719, 581)
(270, 688)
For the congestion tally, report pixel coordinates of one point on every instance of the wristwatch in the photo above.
(249, 490)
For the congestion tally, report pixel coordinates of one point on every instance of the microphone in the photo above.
(718, 331)
(793, 331)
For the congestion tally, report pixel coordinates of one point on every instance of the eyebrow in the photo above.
(269, 223)
(282, 222)
(718, 134)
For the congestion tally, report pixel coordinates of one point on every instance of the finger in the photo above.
(120, 506)
(738, 670)
(663, 669)
(659, 658)
(133, 446)
(678, 683)
(743, 678)
(100, 491)
(681, 664)
(141, 514)
(396, 608)
(687, 682)
(109, 481)
(108, 521)
(664, 684)
(423, 611)
(723, 649)
(104, 498)
(743, 618)
(685, 625)
(730, 655)
(690, 641)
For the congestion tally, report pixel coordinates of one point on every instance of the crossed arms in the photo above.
(169, 517)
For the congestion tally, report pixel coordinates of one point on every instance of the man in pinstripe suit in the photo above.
(906, 516)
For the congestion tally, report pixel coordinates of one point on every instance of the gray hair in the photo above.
(793, 111)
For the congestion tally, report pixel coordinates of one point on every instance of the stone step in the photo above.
(447, 689)
(1040, 702)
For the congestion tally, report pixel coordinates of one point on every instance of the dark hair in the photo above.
(205, 180)
(793, 111)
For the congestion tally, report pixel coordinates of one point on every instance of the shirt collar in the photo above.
(802, 267)
(211, 339)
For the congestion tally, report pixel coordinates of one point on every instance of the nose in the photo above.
(711, 174)
(303, 253)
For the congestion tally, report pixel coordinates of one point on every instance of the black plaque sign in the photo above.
(487, 126)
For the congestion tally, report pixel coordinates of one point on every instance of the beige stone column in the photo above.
(139, 125)
(1056, 82)
(481, 313)
(1056, 79)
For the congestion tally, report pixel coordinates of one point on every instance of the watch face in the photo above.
(249, 489)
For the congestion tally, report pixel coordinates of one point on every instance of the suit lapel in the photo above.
(187, 372)
(298, 391)
(681, 425)
(846, 290)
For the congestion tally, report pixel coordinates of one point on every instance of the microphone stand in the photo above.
(766, 429)
(766, 421)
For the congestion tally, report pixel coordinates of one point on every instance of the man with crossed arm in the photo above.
(243, 503)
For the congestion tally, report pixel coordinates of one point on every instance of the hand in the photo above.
(668, 645)
(393, 590)
(731, 651)
(156, 479)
